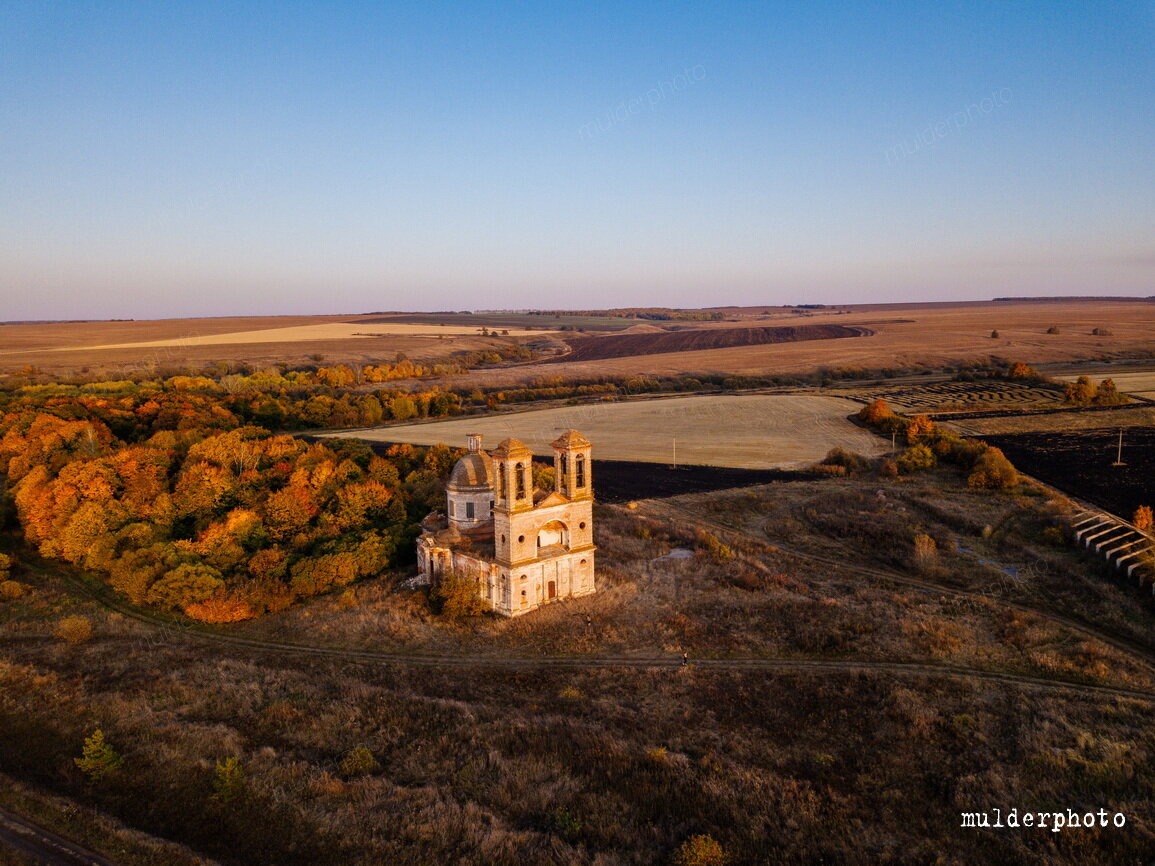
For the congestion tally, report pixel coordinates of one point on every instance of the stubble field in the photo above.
(751, 432)
(902, 336)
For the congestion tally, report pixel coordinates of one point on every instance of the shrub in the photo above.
(700, 851)
(566, 822)
(714, 546)
(359, 761)
(993, 471)
(220, 609)
(925, 549)
(11, 589)
(919, 428)
(1019, 370)
(1102, 332)
(1054, 329)
(74, 629)
(828, 471)
(5, 564)
(887, 468)
(875, 412)
(1108, 395)
(848, 460)
(456, 595)
(994, 335)
(658, 755)
(917, 458)
(1143, 518)
(229, 781)
(98, 758)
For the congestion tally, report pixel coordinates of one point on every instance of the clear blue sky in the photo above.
(183, 159)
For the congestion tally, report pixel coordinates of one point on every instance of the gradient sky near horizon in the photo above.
(210, 158)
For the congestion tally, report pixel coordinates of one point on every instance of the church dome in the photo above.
(472, 470)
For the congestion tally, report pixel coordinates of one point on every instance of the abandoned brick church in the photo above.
(525, 547)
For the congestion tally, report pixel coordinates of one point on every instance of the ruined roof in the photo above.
(571, 439)
(511, 448)
(472, 470)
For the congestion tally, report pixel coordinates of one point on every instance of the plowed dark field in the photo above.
(697, 339)
(1079, 463)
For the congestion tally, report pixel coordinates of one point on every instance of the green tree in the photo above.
(98, 758)
(229, 783)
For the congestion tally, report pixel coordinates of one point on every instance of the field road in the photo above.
(44, 846)
(108, 599)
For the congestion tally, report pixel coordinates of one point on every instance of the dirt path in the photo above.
(44, 846)
(769, 663)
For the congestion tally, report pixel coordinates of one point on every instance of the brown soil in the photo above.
(699, 339)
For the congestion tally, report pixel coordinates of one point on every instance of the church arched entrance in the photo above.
(553, 534)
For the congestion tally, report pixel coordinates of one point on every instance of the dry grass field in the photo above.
(751, 431)
(1137, 416)
(904, 337)
(837, 677)
(139, 345)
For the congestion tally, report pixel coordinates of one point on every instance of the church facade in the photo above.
(525, 548)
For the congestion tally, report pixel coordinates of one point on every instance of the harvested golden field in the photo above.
(751, 432)
(255, 340)
(1137, 416)
(904, 337)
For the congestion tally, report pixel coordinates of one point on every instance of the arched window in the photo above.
(501, 484)
(580, 470)
(519, 473)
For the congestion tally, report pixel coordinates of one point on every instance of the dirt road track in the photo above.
(765, 663)
(44, 846)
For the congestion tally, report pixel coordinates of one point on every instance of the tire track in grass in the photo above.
(107, 599)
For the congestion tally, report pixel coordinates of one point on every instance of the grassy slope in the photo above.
(619, 765)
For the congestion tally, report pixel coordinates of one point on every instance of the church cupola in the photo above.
(513, 468)
(573, 477)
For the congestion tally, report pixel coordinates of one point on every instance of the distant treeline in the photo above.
(660, 314)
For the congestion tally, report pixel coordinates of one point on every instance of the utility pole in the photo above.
(1119, 452)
